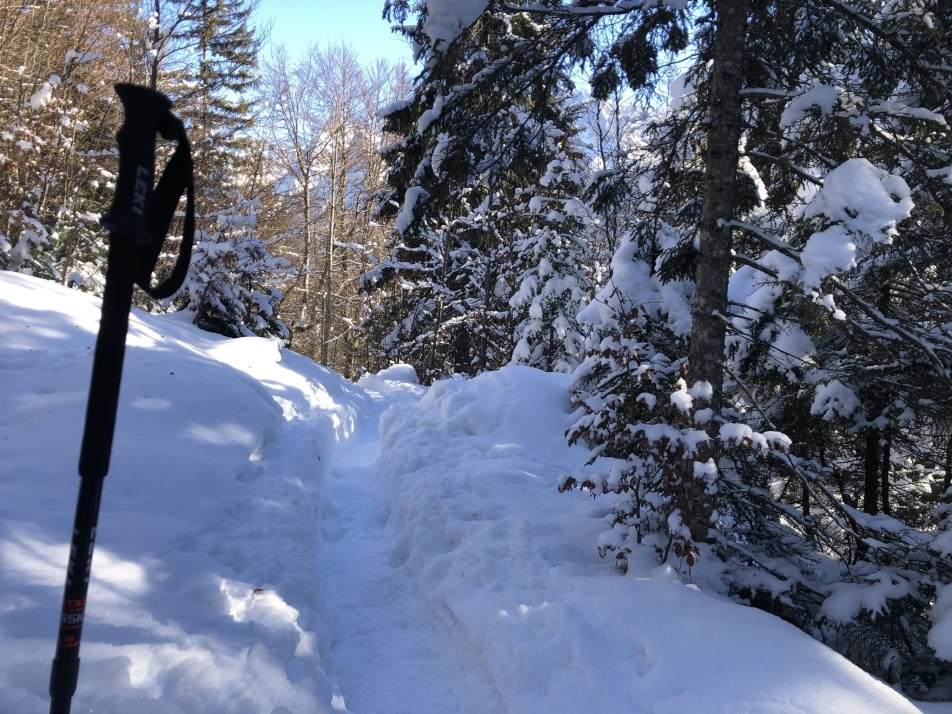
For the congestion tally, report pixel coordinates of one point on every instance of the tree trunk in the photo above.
(871, 472)
(326, 335)
(945, 496)
(714, 257)
(306, 266)
(884, 472)
(720, 178)
(156, 39)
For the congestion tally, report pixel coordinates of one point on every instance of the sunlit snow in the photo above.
(264, 547)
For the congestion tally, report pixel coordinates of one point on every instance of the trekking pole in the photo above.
(137, 222)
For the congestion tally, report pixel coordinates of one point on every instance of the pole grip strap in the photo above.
(176, 180)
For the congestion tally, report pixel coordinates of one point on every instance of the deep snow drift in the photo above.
(262, 549)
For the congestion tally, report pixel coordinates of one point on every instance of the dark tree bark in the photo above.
(714, 259)
(884, 473)
(720, 195)
(947, 479)
(871, 456)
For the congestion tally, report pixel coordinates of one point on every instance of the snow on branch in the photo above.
(448, 19)
(608, 7)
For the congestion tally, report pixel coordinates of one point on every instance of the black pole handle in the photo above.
(144, 212)
(145, 111)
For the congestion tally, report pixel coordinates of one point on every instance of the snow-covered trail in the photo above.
(262, 550)
(385, 655)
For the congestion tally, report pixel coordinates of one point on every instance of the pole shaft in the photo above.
(93, 465)
(65, 671)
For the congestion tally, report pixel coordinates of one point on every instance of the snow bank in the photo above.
(205, 595)
(508, 568)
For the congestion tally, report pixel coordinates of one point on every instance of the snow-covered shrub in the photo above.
(233, 281)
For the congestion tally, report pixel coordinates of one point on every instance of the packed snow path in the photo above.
(385, 654)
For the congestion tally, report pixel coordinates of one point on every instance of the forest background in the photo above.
(728, 220)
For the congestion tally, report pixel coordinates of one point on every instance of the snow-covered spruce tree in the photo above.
(830, 328)
(235, 283)
(666, 442)
(823, 270)
(461, 180)
(679, 461)
(551, 263)
(451, 313)
(839, 337)
(622, 388)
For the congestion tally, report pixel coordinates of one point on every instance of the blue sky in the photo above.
(356, 22)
